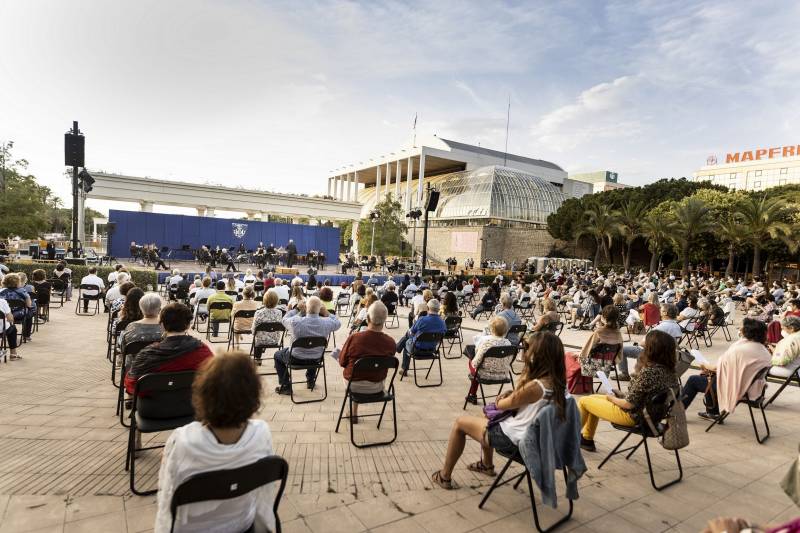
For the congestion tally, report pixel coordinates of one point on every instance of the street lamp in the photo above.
(373, 216)
(414, 215)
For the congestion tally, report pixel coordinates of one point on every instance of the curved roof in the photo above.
(496, 192)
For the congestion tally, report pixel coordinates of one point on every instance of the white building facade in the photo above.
(753, 170)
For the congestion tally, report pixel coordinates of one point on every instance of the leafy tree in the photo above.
(691, 218)
(630, 225)
(390, 229)
(602, 224)
(731, 232)
(762, 219)
(656, 229)
(23, 202)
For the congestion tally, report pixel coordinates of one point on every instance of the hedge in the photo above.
(142, 278)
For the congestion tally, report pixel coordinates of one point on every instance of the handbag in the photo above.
(496, 415)
(676, 434)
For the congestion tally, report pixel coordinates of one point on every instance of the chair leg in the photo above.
(755, 428)
(495, 483)
(614, 451)
(783, 386)
(341, 411)
(719, 420)
(650, 469)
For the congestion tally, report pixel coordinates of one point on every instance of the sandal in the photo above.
(446, 484)
(481, 468)
(14, 357)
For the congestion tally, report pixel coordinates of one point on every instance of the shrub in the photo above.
(142, 278)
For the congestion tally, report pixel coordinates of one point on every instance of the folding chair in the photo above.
(519, 331)
(317, 364)
(555, 327)
(130, 350)
(432, 355)
(217, 306)
(495, 352)
(701, 330)
(453, 335)
(89, 298)
(58, 288)
(178, 294)
(15, 306)
(201, 301)
(643, 430)
(3, 339)
(227, 484)
(724, 327)
(258, 287)
(524, 308)
(757, 402)
(232, 331)
(257, 352)
(370, 364)
(468, 302)
(394, 319)
(517, 458)
(343, 303)
(604, 356)
(167, 406)
(792, 374)
(687, 333)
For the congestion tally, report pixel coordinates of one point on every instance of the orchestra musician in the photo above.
(260, 255)
(155, 259)
(227, 259)
(291, 253)
(271, 254)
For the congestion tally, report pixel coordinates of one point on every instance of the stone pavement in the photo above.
(62, 459)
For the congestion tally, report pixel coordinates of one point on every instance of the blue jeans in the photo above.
(282, 368)
(697, 384)
(628, 351)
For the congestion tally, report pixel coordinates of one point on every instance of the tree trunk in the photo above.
(627, 258)
(731, 258)
(653, 261)
(596, 254)
(756, 260)
(685, 267)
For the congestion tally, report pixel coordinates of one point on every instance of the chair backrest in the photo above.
(517, 330)
(604, 352)
(657, 406)
(270, 326)
(135, 347)
(499, 352)
(232, 483)
(761, 375)
(88, 287)
(57, 284)
(452, 323)
(258, 286)
(428, 337)
(168, 395)
(554, 327)
(232, 293)
(372, 364)
(220, 306)
(202, 301)
(309, 343)
(243, 313)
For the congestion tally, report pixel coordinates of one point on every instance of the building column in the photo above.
(329, 186)
(355, 185)
(378, 184)
(409, 174)
(264, 217)
(388, 178)
(210, 212)
(349, 184)
(421, 184)
(398, 174)
(146, 207)
(94, 230)
(201, 211)
(341, 188)
(355, 237)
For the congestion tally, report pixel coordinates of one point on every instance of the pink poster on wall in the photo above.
(465, 242)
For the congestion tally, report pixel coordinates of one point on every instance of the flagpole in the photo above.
(508, 120)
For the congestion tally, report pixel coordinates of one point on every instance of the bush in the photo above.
(142, 278)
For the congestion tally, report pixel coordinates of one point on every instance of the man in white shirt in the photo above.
(112, 276)
(113, 293)
(176, 278)
(281, 289)
(92, 279)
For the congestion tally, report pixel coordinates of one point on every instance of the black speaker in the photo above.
(349, 243)
(433, 200)
(111, 227)
(73, 150)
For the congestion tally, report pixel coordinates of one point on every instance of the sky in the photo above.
(275, 94)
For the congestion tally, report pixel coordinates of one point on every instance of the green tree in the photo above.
(656, 229)
(690, 219)
(762, 219)
(24, 203)
(602, 224)
(390, 229)
(630, 225)
(730, 231)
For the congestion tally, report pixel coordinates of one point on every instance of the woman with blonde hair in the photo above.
(247, 303)
(549, 316)
(269, 313)
(493, 368)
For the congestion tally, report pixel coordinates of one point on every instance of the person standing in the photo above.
(291, 253)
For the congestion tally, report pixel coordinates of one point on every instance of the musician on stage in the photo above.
(321, 260)
(226, 258)
(291, 253)
(155, 259)
(242, 249)
(260, 256)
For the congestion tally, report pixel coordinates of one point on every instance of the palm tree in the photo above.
(656, 229)
(630, 224)
(730, 231)
(600, 223)
(690, 220)
(762, 219)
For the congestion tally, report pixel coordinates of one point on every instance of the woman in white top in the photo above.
(226, 393)
(202, 293)
(543, 379)
(249, 277)
(688, 313)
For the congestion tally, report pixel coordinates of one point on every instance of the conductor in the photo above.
(291, 253)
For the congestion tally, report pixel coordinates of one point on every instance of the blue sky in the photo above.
(275, 94)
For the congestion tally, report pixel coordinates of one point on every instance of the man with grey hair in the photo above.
(786, 354)
(428, 322)
(506, 311)
(113, 293)
(148, 329)
(281, 289)
(372, 342)
(176, 278)
(308, 319)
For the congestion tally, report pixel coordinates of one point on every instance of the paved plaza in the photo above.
(62, 458)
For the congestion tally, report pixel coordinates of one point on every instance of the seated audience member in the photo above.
(113, 292)
(122, 293)
(786, 354)
(179, 351)
(226, 395)
(219, 315)
(656, 374)
(13, 292)
(765, 308)
(608, 333)
(248, 277)
(488, 301)
(651, 311)
(506, 311)
(372, 342)
(541, 382)
(112, 276)
(64, 273)
(589, 309)
(430, 322)
(689, 312)
(549, 316)
(205, 291)
(326, 295)
(30, 290)
(308, 319)
(668, 325)
(130, 311)
(282, 289)
(247, 303)
(792, 308)
(7, 319)
(296, 297)
(175, 279)
(268, 313)
(449, 306)
(731, 377)
(389, 298)
(147, 328)
(493, 368)
(41, 287)
(361, 316)
(91, 279)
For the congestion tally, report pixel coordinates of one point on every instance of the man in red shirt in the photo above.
(372, 342)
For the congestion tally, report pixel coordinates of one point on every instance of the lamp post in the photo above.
(414, 215)
(373, 216)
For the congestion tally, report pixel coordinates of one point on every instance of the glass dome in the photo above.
(496, 193)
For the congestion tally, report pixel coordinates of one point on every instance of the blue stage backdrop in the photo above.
(177, 230)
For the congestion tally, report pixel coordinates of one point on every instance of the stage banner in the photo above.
(464, 242)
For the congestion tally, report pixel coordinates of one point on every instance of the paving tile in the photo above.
(109, 522)
(377, 511)
(339, 520)
(84, 507)
(26, 513)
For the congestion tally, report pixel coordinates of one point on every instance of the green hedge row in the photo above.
(142, 278)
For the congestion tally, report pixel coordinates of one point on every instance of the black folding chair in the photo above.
(555, 327)
(604, 356)
(178, 293)
(370, 364)
(657, 403)
(16, 306)
(228, 484)
(201, 301)
(393, 319)
(723, 325)
(130, 350)
(495, 352)
(316, 364)
(432, 355)
(166, 406)
(524, 308)
(3, 339)
(58, 288)
(688, 333)
(517, 458)
(757, 402)
(787, 380)
(257, 352)
(515, 335)
(232, 331)
(453, 335)
(217, 306)
(89, 298)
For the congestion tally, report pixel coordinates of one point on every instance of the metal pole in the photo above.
(425, 233)
(372, 243)
(75, 131)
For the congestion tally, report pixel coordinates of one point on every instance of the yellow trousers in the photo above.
(596, 407)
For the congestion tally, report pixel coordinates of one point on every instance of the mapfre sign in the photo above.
(763, 153)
